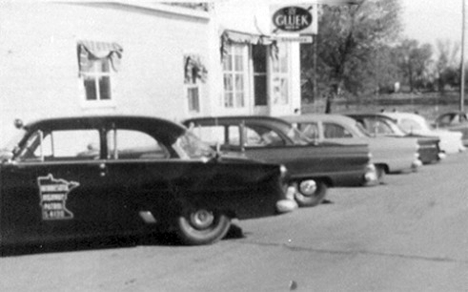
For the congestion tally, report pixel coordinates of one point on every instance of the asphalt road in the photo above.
(410, 234)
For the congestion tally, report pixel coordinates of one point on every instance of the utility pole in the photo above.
(462, 73)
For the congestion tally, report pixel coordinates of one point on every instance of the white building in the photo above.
(121, 57)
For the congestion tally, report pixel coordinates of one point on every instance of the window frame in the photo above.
(193, 102)
(280, 75)
(112, 61)
(238, 98)
(95, 74)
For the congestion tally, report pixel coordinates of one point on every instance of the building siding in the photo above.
(38, 50)
(39, 73)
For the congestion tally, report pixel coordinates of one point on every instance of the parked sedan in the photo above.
(450, 142)
(389, 155)
(455, 121)
(76, 178)
(381, 125)
(313, 168)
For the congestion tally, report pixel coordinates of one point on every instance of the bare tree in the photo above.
(348, 42)
(414, 60)
(447, 64)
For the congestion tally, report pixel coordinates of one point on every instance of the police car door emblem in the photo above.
(53, 195)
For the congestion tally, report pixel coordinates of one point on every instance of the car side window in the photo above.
(257, 136)
(234, 137)
(446, 120)
(76, 144)
(335, 131)
(133, 144)
(310, 130)
(252, 138)
(209, 134)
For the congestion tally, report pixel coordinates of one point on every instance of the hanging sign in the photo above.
(294, 19)
(293, 38)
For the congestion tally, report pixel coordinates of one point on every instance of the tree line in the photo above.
(359, 51)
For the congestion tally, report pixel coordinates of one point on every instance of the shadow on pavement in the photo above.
(155, 239)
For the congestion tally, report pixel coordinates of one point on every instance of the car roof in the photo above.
(158, 126)
(369, 115)
(253, 120)
(451, 113)
(398, 115)
(319, 117)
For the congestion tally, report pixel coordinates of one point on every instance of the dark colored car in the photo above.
(456, 121)
(313, 168)
(382, 125)
(88, 177)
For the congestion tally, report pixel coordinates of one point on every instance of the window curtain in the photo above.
(89, 51)
(194, 69)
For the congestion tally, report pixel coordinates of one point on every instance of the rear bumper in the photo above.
(371, 177)
(288, 204)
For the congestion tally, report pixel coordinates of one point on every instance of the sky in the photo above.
(430, 20)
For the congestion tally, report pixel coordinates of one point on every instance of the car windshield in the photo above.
(193, 147)
(397, 129)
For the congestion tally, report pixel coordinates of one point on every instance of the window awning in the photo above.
(89, 51)
(230, 36)
(245, 38)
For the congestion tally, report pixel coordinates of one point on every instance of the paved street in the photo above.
(408, 235)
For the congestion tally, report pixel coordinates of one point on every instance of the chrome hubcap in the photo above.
(202, 219)
(308, 187)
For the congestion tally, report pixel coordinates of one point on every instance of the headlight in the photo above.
(308, 187)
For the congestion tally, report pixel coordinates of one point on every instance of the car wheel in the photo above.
(202, 226)
(310, 193)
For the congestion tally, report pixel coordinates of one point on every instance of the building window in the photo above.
(234, 74)
(97, 81)
(96, 61)
(195, 73)
(259, 58)
(193, 97)
(280, 76)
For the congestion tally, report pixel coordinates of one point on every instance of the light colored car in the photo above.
(450, 142)
(389, 155)
(378, 124)
(455, 121)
